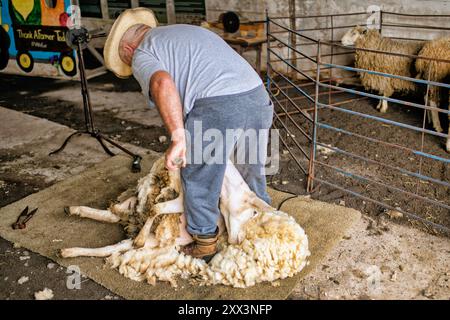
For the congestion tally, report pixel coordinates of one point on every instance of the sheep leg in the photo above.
(447, 146)
(91, 213)
(184, 238)
(173, 206)
(384, 106)
(144, 234)
(380, 103)
(164, 194)
(433, 99)
(97, 252)
(146, 185)
(435, 117)
(168, 207)
(125, 208)
(428, 116)
(175, 181)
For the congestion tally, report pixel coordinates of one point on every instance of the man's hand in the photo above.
(176, 155)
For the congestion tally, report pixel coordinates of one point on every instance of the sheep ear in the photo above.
(361, 29)
(259, 205)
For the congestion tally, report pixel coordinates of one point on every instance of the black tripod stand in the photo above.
(78, 39)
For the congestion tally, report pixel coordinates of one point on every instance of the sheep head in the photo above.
(352, 35)
(238, 204)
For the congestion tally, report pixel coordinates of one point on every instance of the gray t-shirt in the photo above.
(201, 63)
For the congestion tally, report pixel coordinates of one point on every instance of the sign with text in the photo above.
(40, 38)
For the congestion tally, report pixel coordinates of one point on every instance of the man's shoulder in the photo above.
(183, 30)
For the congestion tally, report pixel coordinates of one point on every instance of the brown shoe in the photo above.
(203, 247)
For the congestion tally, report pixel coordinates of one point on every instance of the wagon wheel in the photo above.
(68, 64)
(25, 61)
(4, 48)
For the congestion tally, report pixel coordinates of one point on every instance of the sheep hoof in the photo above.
(63, 253)
(379, 105)
(67, 211)
(439, 129)
(139, 242)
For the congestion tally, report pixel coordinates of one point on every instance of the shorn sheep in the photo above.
(435, 71)
(364, 38)
(262, 243)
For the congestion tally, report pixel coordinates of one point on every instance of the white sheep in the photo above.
(364, 38)
(263, 244)
(436, 71)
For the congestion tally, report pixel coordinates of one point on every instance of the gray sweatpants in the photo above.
(203, 176)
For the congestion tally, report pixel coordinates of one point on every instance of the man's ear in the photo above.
(129, 49)
(127, 52)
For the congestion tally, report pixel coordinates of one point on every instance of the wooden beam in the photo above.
(134, 3)
(104, 9)
(170, 7)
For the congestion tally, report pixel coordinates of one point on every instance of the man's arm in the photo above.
(167, 99)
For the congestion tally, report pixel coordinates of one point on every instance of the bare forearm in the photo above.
(167, 100)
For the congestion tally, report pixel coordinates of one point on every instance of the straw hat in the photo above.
(126, 20)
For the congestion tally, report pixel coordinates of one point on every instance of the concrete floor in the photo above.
(26, 140)
(406, 263)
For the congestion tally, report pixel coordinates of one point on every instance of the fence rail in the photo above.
(306, 100)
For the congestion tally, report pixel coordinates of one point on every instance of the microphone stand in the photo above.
(78, 39)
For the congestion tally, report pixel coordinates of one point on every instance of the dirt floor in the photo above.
(381, 257)
(385, 181)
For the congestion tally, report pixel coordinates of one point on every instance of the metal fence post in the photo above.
(312, 155)
(414, 183)
(268, 50)
(381, 22)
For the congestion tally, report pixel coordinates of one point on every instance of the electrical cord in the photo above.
(293, 195)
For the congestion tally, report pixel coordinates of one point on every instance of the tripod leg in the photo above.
(136, 165)
(65, 143)
(100, 140)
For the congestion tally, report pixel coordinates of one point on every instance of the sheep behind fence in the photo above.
(400, 164)
(437, 71)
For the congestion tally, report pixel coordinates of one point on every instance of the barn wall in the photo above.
(255, 10)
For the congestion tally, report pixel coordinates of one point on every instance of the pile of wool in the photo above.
(151, 189)
(275, 247)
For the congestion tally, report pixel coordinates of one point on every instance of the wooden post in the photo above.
(170, 7)
(104, 9)
(134, 3)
